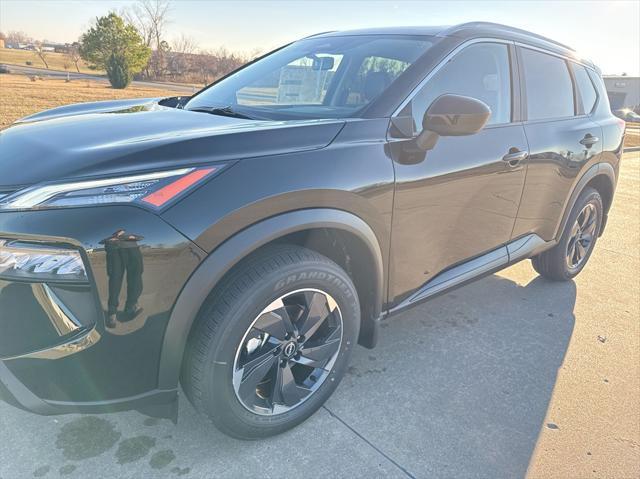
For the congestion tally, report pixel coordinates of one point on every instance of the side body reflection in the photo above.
(123, 257)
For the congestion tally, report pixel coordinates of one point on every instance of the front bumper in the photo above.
(59, 351)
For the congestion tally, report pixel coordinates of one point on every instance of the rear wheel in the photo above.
(565, 260)
(272, 343)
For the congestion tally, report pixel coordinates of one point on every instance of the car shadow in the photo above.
(457, 387)
(460, 386)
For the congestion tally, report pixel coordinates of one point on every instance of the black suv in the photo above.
(242, 241)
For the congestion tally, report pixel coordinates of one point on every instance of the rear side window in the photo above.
(548, 86)
(585, 86)
(480, 71)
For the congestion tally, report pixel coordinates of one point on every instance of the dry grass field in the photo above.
(632, 138)
(56, 61)
(19, 96)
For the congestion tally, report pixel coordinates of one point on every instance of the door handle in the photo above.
(515, 157)
(589, 140)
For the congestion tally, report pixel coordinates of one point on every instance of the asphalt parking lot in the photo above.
(511, 376)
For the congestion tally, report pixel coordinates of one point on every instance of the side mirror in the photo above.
(452, 115)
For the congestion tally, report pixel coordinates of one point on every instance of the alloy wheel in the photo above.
(288, 352)
(582, 236)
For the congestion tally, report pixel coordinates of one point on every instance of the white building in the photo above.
(623, 91)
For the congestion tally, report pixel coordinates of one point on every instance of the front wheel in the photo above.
(570, 255)
(272, 343)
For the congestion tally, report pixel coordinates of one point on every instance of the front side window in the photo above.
(323, 77)
(479, 71)
(548, 86)
(587, 91)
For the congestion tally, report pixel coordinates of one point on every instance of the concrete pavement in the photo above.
(507, 377)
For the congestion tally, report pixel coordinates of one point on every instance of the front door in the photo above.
(461, 198)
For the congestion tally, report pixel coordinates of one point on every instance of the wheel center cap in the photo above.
(290, 349)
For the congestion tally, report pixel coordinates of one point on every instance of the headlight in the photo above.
(154, 190)
(19, 260)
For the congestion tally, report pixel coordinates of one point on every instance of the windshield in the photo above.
(330, 77)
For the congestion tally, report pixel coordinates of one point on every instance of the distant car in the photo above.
(627, 115)
(4, 69)
(242, 241)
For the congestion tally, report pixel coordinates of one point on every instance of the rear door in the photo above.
(558, 97)
(460, 199)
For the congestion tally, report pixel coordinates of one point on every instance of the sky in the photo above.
(608, 32)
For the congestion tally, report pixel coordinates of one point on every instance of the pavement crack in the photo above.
(620, 253)
(377, 449)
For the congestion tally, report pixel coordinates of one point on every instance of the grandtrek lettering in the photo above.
(313, 275)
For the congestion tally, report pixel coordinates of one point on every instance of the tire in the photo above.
(561, 264)
(242, 319)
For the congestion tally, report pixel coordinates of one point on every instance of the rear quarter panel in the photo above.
(612, 127)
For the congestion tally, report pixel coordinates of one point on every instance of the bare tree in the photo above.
(227, 62)
(74, 55)
(180, 59)
(205, 66)
(184, 44)
(41, 52)
(150, 17)
(255, 53)
(16, 38)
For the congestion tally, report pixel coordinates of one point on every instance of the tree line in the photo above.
(132, 44)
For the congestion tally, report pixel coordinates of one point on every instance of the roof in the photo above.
(466, 31)
(415, 30)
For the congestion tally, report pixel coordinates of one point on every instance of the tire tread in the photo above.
(551, 264)
(220, 302)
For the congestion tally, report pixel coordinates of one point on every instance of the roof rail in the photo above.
(318, 34)
(497, 26)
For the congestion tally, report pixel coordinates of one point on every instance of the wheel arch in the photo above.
(342, 236)
(600, 176)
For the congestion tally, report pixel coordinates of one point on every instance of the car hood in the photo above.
(120, 137)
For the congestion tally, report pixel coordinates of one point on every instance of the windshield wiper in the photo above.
(223, 111)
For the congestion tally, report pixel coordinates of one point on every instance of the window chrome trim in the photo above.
(464, 45)
(555, 54)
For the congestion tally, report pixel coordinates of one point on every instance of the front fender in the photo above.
(227, 255)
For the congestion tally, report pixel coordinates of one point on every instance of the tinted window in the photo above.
(374, 74)
(548, 86)
(320, 77)
(585, 86)
(480, 71)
